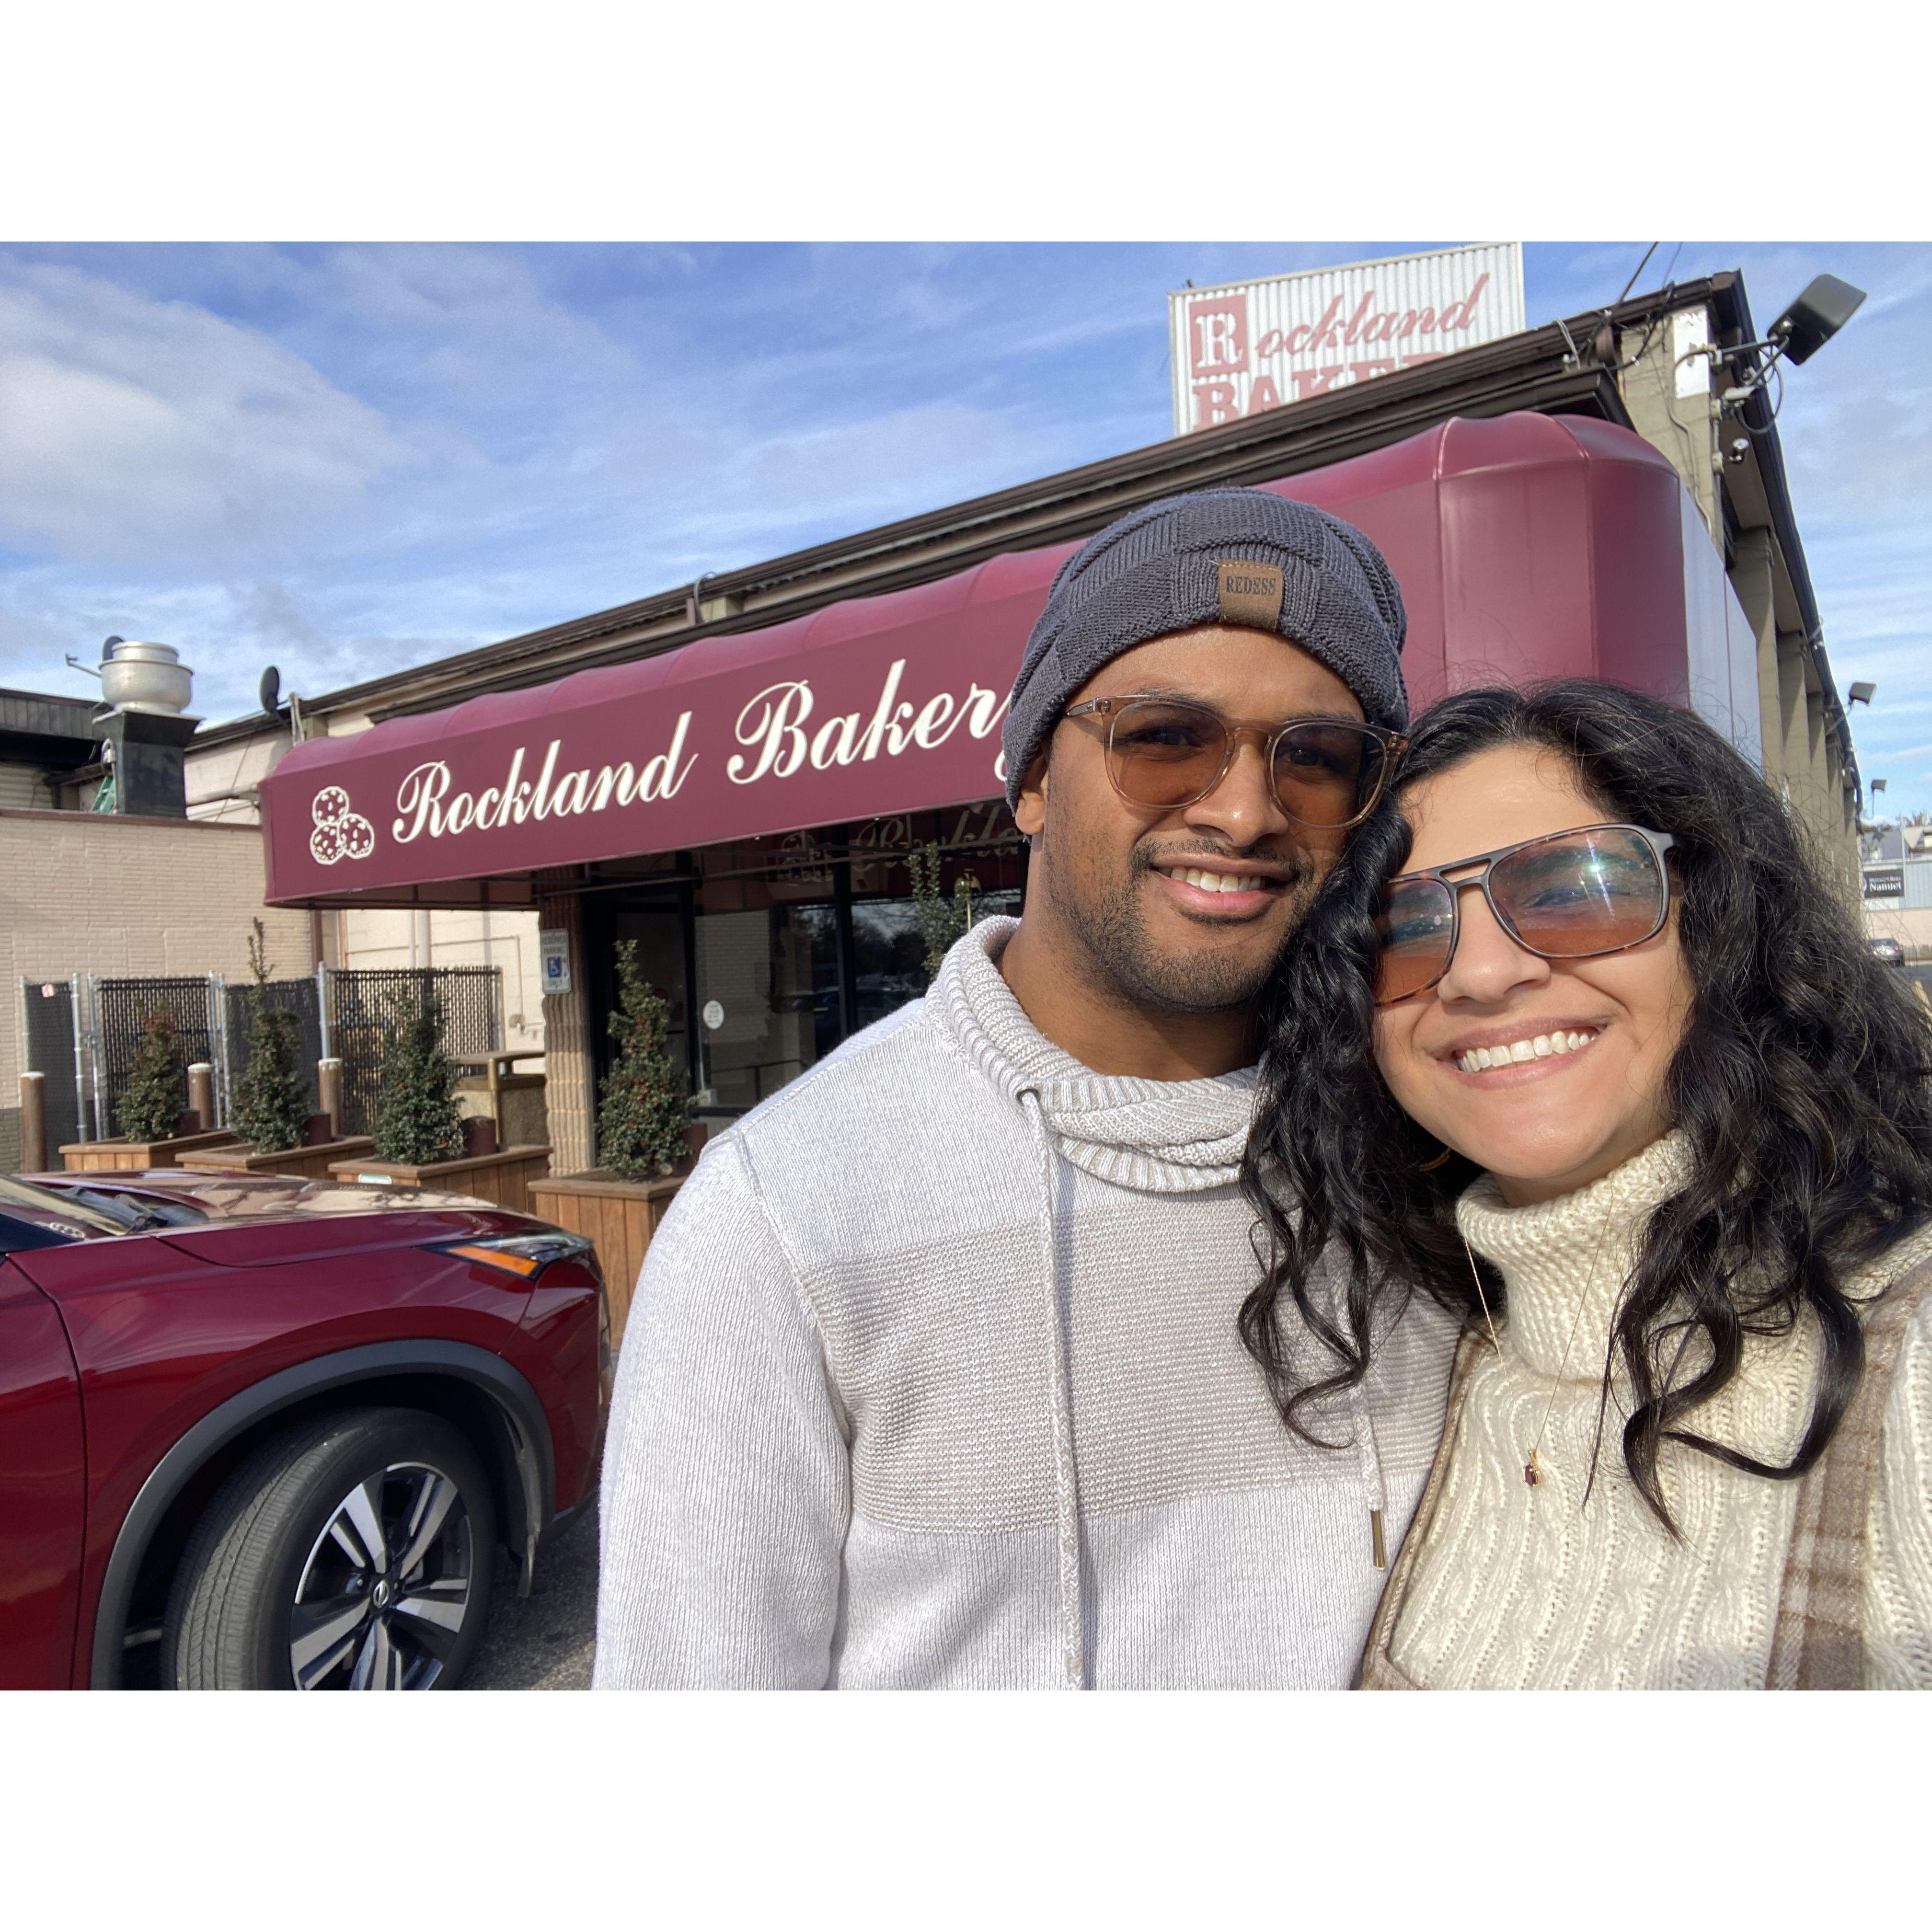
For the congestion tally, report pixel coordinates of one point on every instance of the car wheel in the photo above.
(353, 1551)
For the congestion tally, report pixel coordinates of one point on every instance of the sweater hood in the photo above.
(1161, 1136)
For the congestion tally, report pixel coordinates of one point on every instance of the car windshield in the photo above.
(100, 1210)
(37, 1204)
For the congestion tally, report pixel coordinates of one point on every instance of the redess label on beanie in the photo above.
(1251, 594)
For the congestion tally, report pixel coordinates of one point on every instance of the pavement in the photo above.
(545, 1641)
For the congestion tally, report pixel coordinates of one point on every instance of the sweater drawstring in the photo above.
(1065, 1484)
(1371, 1472)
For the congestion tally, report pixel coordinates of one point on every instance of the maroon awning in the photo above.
(1526, 546)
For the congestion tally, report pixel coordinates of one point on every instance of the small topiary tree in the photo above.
(643, 1120)
(157, 1096)
(272, 1098)
(939, 922)
(416, 1117)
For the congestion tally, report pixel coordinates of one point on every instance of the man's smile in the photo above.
(1213, 887)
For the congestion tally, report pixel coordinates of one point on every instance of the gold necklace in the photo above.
(1532, 1470)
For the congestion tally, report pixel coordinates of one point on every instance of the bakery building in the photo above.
(747, 774)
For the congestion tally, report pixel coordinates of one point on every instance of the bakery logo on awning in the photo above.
(339, 833)
(1245, 348)
(782, 732)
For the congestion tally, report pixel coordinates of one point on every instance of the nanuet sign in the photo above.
(769, 732)
(1246, 346)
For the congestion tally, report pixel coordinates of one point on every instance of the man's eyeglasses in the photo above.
(1577, 895)
(1166, 752)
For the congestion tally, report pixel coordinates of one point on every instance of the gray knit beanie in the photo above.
(1213, 557)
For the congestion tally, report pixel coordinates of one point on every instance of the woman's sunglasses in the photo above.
(1569, 895)
(1167, 752)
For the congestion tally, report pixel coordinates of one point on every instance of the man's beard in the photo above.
(1115, 937)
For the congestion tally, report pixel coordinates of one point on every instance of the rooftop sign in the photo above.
(1247, 346)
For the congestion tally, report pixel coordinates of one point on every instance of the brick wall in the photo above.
(80, 893)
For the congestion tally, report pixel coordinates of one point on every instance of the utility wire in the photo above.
(1636, 272)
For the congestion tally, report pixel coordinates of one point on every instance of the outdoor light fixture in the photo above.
(1878, 784)
(1863, 693)
(1822, 309)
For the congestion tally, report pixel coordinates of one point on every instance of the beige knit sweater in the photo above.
(1523, 1588)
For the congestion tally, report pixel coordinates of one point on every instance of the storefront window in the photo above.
(792, 943)
(659, 935)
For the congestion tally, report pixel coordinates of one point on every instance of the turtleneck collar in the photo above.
(1162, 1136)
(1545, 1253)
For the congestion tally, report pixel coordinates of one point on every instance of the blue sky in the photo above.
(347, 459)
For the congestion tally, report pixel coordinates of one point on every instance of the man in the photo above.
(933, 1378)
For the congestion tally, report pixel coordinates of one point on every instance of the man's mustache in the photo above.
(1289, 864)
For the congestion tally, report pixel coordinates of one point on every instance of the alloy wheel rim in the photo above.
(385, 1590)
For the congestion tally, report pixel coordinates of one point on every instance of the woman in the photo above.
(1623, 1087)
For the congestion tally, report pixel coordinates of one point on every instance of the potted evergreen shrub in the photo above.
(644, 1124)
(271, 1113)
(152, 1111)
(417, 1122)
(271, 1117)
(645, 1141)
(418, 1139)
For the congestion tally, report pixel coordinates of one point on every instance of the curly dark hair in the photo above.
(1801, 1085)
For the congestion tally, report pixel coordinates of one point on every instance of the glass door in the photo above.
(768, 999)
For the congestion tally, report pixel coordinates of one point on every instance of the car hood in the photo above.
(259, 1197)
(262, 1220)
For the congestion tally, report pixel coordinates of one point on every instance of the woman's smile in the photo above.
(1512, 1049)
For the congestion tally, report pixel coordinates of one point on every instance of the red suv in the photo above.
(258, 1432)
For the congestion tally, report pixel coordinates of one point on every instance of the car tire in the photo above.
(354, 1551)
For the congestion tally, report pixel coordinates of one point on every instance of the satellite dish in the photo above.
(271, 689)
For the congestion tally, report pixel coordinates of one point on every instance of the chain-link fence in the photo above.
(83, 1033)
(48, 1046)
(366, 1008)
(121, 1010)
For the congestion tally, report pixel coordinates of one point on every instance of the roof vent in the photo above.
(144, 677)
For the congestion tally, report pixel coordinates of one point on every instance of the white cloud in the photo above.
(131, 427)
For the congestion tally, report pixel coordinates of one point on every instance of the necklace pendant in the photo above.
(1531, 1473)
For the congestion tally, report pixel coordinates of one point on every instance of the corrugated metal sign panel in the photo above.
(1246, 347)
(1906, 885)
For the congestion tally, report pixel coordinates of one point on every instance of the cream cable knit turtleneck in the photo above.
(1522, 1588)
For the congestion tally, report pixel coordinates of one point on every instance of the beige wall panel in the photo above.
(80, 893)
(215, 773)
(506, 940)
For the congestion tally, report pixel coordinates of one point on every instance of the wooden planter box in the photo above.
(620, 1217)
(124, 1156)
(304, 1163)
(502, 1178)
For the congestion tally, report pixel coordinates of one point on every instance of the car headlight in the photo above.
(524, 1256)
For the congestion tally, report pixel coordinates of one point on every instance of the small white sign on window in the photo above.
(553, 946)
